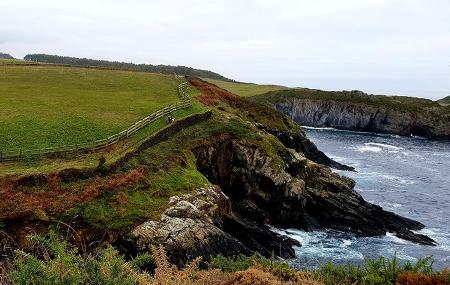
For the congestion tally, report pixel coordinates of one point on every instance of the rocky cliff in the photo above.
(362, 112)
(289, 186)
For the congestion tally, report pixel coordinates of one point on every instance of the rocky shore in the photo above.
(357, 111)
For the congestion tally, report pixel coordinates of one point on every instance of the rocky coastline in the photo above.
(364, 117)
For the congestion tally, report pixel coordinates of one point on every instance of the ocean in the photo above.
(409, 176)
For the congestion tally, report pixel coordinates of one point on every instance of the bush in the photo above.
(58, 263)
(415, 278)
(373, 272)
(241, 263)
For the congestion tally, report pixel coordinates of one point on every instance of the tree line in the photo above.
(6, 55)
(165, 69)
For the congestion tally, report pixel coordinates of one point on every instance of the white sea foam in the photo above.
(382, 145)
(389, 205)
(393, 238)
(320, 128)
(346, 243)
(367, 148)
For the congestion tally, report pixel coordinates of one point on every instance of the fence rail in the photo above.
(102, 143)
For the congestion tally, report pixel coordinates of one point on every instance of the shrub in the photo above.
(374, 271)
(418, 278)
(58, 263)
(241, 263)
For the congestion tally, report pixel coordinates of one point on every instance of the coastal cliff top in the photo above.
(275, 93)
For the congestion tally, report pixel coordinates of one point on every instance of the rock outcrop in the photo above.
(203, 224)
(365, 117)
(301, 194)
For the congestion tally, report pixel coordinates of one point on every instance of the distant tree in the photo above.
(166, 69)
(6, 55)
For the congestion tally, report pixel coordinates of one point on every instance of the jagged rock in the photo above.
(186, 238)
(304, 194)
(203, 224)
(298, 141)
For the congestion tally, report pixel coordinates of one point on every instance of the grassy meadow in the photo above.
(245, 89)
(46, 106)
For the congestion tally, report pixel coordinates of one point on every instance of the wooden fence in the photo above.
(102, 143)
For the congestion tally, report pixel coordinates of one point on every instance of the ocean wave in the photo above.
(321, 245)
(367, 148)
(382, 145)
(320, 128)
(388, 177)
(391, 206)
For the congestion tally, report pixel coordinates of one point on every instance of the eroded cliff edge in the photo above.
(357, 111)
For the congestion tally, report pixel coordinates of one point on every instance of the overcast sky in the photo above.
(378, 46)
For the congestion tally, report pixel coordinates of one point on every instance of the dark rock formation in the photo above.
(298, 141)
(302, 194)
(364, 117)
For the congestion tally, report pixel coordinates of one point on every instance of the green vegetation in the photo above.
(90, 160)
(241, 263)
(373, 271)
(164, 69)
(245, 89)
(170, 169)
(67, 266)
(46, 106)
(392, 102)
(62, 264)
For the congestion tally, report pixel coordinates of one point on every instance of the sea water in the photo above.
(409, 176)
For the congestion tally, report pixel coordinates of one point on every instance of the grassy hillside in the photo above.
(164, 69)
(445, 101)
(245, 89)
(45, 106)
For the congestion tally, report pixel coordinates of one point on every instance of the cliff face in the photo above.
(364, 117)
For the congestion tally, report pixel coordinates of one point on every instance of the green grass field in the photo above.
(46, 106)
(245, 89)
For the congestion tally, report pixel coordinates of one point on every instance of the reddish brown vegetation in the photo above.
(19, 201)
(212, 95)
(412, 278)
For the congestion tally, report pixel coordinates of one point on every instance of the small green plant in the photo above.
(58, 263)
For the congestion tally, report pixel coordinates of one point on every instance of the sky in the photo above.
(399, 47)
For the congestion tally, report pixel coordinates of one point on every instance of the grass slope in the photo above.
(445, 101)
(402, 103)
(45, 106)
(245, 89)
